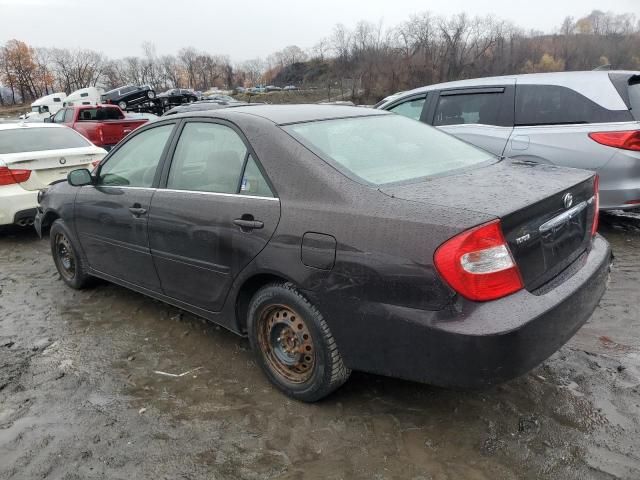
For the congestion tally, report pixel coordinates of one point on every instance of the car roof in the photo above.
(595, 85)
(286, 114)
(18, 125)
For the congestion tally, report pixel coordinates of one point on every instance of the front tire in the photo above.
(293, 343)
(151, 94)
(122, 105)
(67, 257)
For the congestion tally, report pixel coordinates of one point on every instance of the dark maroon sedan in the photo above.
(340, 238)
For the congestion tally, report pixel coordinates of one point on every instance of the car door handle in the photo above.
(137, 211)
(248, 224)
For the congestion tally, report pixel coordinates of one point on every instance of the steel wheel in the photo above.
(122, 105)
(66, 257)
(286, 343)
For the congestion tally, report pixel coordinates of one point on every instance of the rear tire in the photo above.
(67, 257)
(293, 343)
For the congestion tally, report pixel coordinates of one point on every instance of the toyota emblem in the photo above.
(567, 200)
(63, 161)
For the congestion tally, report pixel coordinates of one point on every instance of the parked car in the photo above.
(129, 96)
(272, 88)
(290, 87)
(177, 96)
(205, 105)
(575, 119)
(45, 106)
(340, 238)
(221, 98)
(104, 125)
(31, 157)
(84, 96)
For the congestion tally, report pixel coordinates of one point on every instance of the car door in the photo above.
(552, 125)
(482, 116)
(217, 212)
(111, 216)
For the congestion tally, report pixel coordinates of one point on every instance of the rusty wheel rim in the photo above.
(286, 343)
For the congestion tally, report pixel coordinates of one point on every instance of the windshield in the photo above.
(384, 149)
(18, 140)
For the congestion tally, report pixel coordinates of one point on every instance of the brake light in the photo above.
(9, 177)
(627, 140)
(478, 265)
(596, 213)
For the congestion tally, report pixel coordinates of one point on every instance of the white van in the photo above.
(84, 96)
(46, 106)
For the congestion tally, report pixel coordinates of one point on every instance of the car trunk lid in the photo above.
(50, 165)
(546, 212)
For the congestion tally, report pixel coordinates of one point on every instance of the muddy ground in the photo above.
(80, 397)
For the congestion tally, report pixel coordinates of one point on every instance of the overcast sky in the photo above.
(247, 29)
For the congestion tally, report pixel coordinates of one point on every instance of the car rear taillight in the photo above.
(596, 213)
(627, 140)
(9, 176)
(478, 265)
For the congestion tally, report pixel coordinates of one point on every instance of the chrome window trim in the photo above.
(238, 195)
(199, 192)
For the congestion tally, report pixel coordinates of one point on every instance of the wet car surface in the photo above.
(107, 383)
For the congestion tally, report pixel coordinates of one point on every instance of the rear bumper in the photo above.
(475, 344)
(15, 203)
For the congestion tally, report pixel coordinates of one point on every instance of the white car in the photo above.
(33, 155)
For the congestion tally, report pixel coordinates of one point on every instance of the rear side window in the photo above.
(410, 109)
(474, 108)
(102, 113)
(634, 98)
(39, 139)
(555, 105)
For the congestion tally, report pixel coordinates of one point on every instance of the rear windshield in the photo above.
(92, 114)
(39, 139)
(385, 149)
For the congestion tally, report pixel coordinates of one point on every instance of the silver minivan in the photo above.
(577, 119)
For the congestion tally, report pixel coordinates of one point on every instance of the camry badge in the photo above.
(567, 200)
(63, 161)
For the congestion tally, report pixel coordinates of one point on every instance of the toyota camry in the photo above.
(340, 238)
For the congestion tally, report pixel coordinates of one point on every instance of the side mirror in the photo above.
(79, 177)
(48, 120)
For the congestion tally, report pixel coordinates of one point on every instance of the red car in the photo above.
(104, 125)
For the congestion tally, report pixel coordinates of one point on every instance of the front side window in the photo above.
(410, 109)
(134, 164)
(39, 139)
(381, 149)
(209, 158)
(556, 105)
(68, 115)
(59, 117)
(464, 109)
